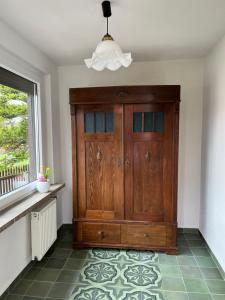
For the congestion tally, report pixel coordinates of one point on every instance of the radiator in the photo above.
(43, 229)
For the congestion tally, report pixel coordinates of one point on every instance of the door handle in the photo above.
(127, 162)
(99, 155)
(147, 155)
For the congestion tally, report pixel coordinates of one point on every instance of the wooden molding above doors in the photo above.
(125, 94)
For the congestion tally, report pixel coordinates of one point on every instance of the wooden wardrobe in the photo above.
(125, 160)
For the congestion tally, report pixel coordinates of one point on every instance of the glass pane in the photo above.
(99, 121)
(137, 121)
(18, 164)
(159, 121)
(89, 122)
(109, 121)
(148, 121)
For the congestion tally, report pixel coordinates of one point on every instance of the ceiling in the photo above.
(69, 30)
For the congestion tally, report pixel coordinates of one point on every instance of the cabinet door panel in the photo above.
(148, 177)
(100, 180)
(148, 162)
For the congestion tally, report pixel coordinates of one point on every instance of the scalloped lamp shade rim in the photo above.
(108, 55)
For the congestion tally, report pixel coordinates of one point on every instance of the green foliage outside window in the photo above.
(13, 127)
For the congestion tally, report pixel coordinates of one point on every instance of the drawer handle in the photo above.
(146, 235)
(101, 233)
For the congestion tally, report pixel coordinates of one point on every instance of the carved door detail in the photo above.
(99, 161)
(148, 162)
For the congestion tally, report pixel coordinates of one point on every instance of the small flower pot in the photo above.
(43, 186)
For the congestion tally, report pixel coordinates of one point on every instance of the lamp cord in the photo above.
(107, 25)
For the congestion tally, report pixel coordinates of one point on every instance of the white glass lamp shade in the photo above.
(108, 54)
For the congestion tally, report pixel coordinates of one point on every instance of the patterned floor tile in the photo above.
(112, 274)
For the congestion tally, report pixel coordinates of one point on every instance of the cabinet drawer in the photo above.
(148, 235)
(101, 233)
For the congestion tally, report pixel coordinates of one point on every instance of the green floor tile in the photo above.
(184, 251)
(68, 276)
(39, 289)
(21, 287)
(216, 286)
(180, 236)
(196, 243)
(205, 261)
(186, 261)
(61, 253)
(200, 251)
(32, 298)
(182, 243)
(61, 290)
(191, 275)
(53, 298)
(64, 245)
(41, 263)
(48, 275)
(165, 259)
(170, 271)
(218, 297)
(172, 284)
(192, 236)
(32, 273)
(198, 296)
(55, 263)
(80, 254)
(14, 297)
(211, 273)
(191, 230)
(74, 264)
(190, 272)
(175, 295)
(196, 285)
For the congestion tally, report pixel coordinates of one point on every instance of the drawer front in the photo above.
(148, 235)
(101, 233)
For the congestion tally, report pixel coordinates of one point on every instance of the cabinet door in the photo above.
(99, 161)
(149, 162)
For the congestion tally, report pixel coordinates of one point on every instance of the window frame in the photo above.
(18, 194)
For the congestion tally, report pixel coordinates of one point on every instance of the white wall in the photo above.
(15, 251)
(187, 73)
(212, 222)
(21, 57)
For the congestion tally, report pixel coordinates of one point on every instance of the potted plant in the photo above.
(43, 182)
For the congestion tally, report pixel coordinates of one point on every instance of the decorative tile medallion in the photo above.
(141, 275)
(100, 272)
(91, 294)
(105, 253)
(146, 256)
(141, 295)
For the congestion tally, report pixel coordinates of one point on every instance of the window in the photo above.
(152, 121)
(18, 146)
(98, 122)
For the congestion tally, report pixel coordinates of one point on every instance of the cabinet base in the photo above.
(140, 236)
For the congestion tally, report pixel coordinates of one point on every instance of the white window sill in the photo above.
(12, 214)
(17, 195)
